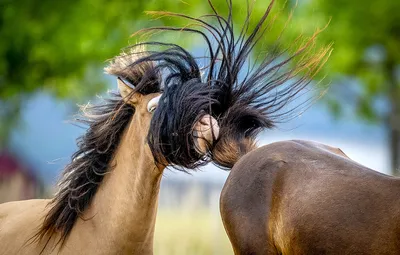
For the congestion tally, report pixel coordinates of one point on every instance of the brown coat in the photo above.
(298, 197)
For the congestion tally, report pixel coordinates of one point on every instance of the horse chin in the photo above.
(205, 132)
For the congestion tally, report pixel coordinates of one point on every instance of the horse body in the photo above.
(18, 222)
(108, 195)
(300, 197)
(127, 197)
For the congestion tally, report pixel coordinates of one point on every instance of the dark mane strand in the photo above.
(243, 106)
(106, 123)
(89, 164)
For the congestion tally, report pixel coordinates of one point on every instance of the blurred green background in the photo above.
(52, 54)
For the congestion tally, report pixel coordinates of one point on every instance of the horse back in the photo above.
(298, 197)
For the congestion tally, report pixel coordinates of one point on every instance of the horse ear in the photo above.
(127, 92)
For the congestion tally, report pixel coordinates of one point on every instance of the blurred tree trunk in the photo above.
(394, 147)
(394, 119)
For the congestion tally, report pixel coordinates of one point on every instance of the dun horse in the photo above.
(107, 198)
(291, 197)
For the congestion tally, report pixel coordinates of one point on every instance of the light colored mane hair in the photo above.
(119, 66)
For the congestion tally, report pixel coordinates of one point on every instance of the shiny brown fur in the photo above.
(298, 197)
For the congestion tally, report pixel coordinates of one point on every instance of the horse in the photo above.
(302, 197)
(108, 194)
(289, 197)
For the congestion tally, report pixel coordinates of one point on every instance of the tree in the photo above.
(55, 46)
(367, 50)
(61, 46)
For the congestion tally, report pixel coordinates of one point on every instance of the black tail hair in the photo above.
(243, 107)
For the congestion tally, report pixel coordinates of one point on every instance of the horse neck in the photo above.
(125, 205)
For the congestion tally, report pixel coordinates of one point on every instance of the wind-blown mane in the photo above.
(106, 123)
(172, 71)
(243, 106)
(81, 178)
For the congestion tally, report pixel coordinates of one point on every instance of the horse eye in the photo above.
(152, 104)
(152, 109)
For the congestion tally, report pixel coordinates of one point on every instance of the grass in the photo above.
(190, 232)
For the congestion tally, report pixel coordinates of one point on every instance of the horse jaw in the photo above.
(205, 132)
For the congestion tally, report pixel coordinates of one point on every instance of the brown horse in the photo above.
(298, 197)
(107, 198)
(291, 197)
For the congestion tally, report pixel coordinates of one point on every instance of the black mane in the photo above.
(172, 71)
(243, 107)
(106, 123)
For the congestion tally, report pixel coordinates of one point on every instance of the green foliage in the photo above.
(367, 46)
(57, 46)
(61, 46)
(49, 44)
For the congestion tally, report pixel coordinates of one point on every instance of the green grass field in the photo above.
(190, 232)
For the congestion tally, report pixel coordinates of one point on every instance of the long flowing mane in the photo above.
(242, 106)
(171, 71)
(106, 123)
(89, 164)
(244, 103)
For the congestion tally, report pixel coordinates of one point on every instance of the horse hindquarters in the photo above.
(298, 198)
